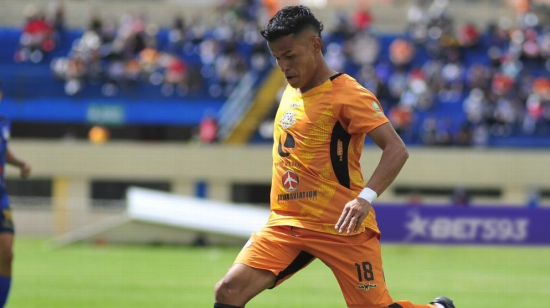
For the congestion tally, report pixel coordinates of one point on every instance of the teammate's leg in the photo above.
(241, 284)
(6, 257)
(6, 254)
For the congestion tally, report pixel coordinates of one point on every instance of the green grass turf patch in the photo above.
(115, 276)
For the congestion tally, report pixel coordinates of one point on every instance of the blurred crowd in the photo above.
(440, 83)
(444, 84)
(191, 57)
(499, 75)
(41, 32)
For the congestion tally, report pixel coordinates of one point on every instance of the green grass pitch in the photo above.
(115, 276)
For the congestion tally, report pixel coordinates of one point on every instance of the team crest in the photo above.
(376, 107)
(288, 120)
(290, 180)
(378, 110)
(367, 287)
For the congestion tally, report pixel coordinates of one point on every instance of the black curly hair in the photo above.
(291, 20)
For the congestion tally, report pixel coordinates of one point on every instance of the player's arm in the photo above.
(24, 167)
(394, 156)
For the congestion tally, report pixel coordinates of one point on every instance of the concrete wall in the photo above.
(390, 16)
(73, 165)
(183, 165)
(79, 12)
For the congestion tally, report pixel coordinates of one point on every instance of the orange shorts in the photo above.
(355, 260)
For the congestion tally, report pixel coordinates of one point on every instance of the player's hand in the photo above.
(353, 215)
(25, 170)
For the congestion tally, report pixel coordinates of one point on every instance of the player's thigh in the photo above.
(6, 246)
(6, 231)
(6, 221)
(356, 261)
(277, 250)
(6, 242)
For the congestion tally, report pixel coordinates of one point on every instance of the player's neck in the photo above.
(321, 76)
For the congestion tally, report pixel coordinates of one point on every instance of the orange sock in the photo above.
(407, 304)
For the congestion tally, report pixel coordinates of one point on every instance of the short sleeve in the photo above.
(361, 111)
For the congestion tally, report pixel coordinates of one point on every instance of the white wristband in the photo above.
(368, 194)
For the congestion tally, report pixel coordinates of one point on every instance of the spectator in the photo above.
(401, 52)
(428, 131)
(57, 19)
(259, 60)
(418, 20)
(363, 48)
(362, 18)
(533, 198)
(401, 119)
(175, 76)
(37, 38)
(208, 128)
(460, 197)
(468, 35)
(335, 57)
(176, 36)
(414, 198)
(475, 106)
(464, 136)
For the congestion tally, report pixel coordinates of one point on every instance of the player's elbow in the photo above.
(401, 154)
(404, 153)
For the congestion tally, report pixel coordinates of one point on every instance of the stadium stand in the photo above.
(444, 84)
(404, 69)
(441, 84)
(123, 146)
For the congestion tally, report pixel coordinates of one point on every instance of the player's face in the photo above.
(295, 57)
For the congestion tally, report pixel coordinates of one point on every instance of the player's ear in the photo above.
(317, 44)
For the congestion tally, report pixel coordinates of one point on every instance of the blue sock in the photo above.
(5, 284)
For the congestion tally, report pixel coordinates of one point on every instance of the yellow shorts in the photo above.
(6, 221)
(355, 260)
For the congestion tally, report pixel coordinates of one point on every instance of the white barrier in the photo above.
(192, 213)
(163, 218)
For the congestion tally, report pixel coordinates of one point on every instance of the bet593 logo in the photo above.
(467, 229)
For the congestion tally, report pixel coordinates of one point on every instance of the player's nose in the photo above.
(283, 65)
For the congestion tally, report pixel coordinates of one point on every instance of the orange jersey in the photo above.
(318, 140)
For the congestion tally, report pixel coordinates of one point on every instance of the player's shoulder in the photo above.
(345, 85)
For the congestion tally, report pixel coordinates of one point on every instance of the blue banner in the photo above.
(109, 111)
(459, 225)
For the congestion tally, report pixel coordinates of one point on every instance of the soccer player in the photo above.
(320, 205)
(6, 222)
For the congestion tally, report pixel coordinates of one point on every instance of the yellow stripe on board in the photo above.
(261, 105)
(60, 205)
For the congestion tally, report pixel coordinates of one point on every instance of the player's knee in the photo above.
(226, 291)
(6, 257)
